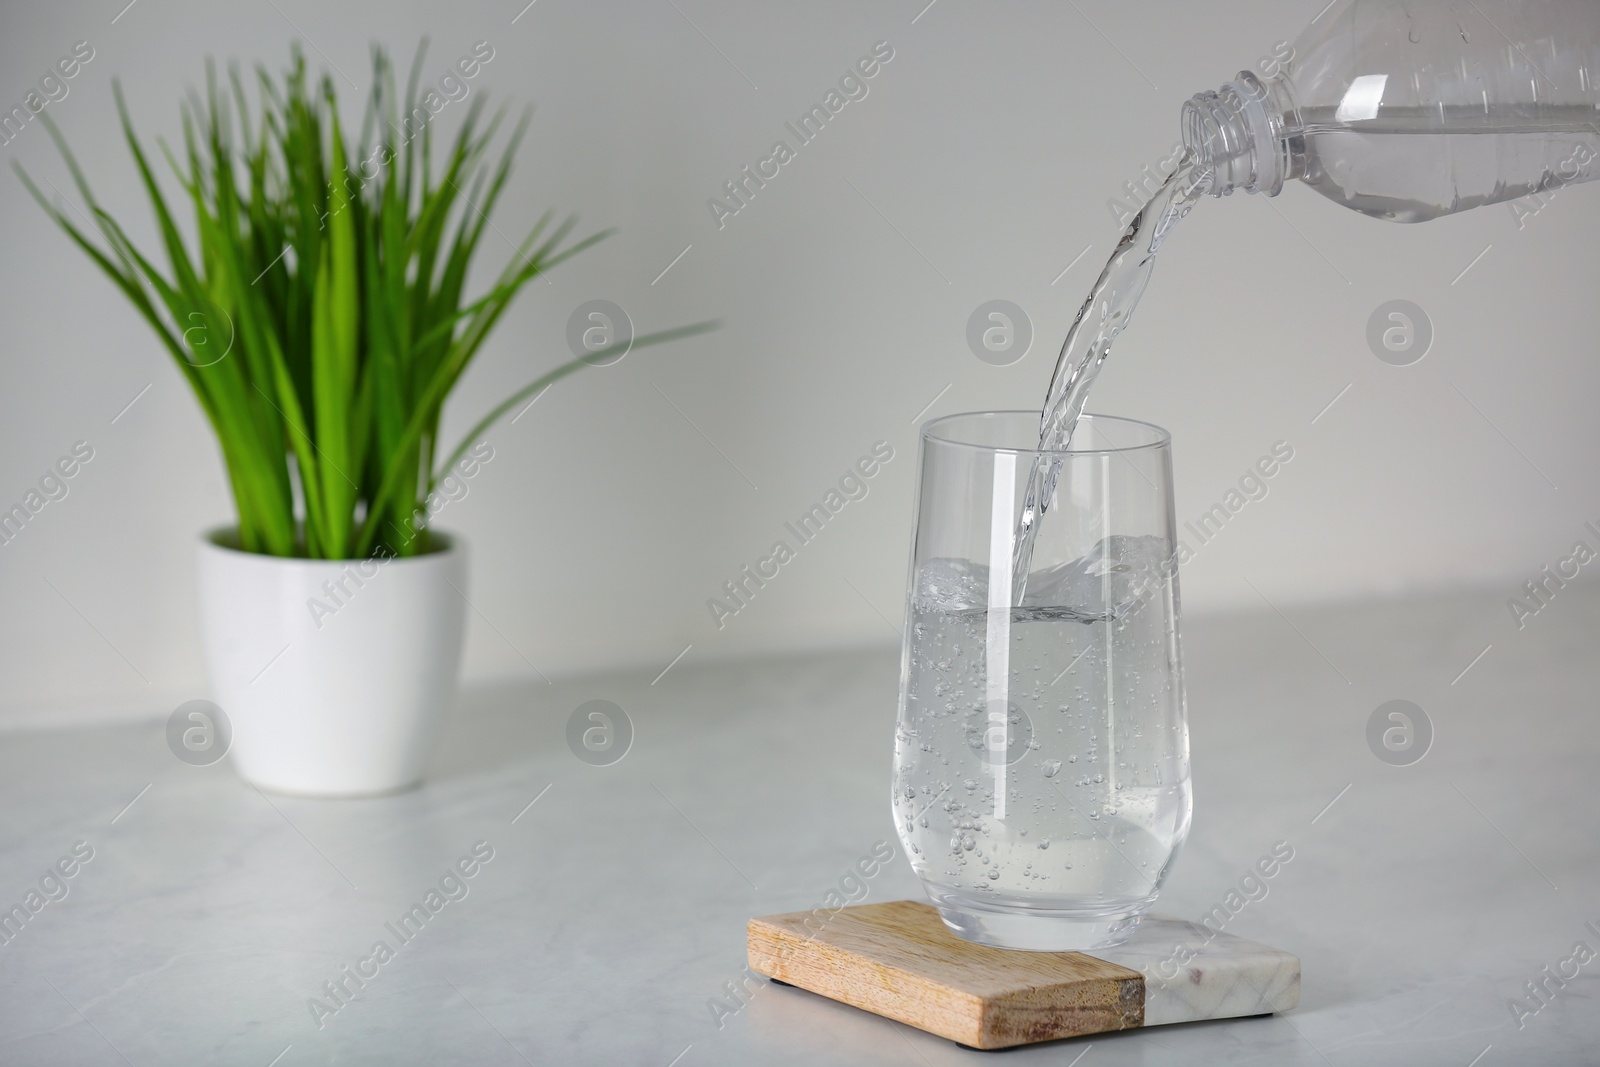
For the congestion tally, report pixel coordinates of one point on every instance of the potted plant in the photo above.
(318, 309)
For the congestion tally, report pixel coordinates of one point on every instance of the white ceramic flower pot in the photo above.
(335, 675)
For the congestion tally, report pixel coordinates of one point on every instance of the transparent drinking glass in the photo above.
(1041, 757)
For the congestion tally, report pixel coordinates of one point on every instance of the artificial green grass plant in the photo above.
(336, 278)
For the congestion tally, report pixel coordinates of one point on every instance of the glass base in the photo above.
(1038, 929)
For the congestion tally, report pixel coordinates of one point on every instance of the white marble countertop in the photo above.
(1421, 899)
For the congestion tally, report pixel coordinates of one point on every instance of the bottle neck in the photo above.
(1241, 134)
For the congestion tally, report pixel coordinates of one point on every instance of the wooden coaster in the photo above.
(899, 960)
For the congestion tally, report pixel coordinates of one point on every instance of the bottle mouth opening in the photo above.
(1214, 136)
(1230, 133)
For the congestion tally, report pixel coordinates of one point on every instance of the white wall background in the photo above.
(990, 145)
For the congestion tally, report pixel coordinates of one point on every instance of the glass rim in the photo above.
(929, 432)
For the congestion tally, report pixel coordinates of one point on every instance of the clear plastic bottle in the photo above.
(1411, 109)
